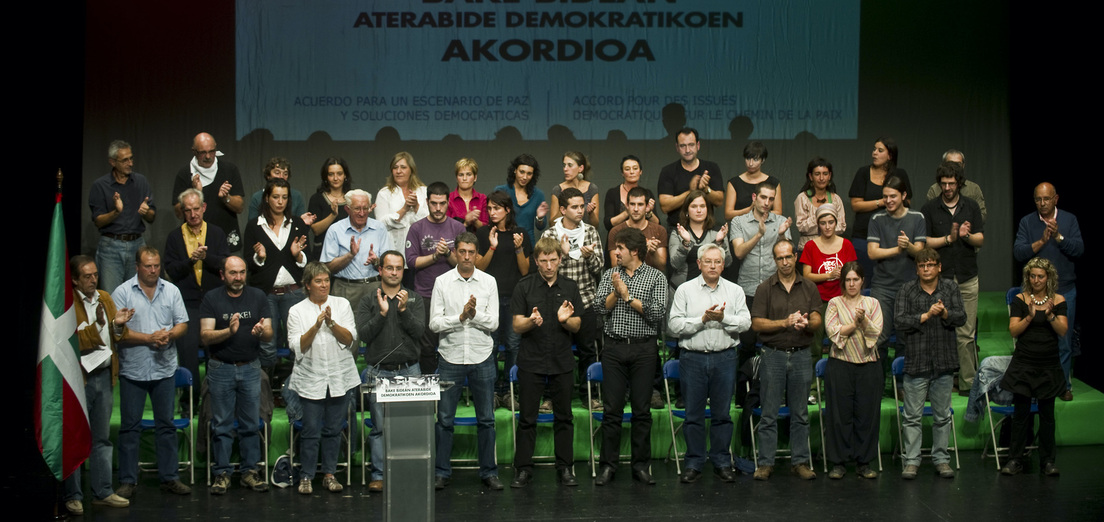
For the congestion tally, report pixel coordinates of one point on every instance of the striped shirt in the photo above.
(859, 347)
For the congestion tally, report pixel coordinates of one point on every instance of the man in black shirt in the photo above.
(545, 309)
(232, 325)
(688, 173)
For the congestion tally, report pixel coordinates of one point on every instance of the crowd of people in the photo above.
(432, 278)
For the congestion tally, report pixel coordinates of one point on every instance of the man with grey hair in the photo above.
(352, 247)
(221, 184)
(121, 203)
(707, 316)
(968, 189)
(194, 254)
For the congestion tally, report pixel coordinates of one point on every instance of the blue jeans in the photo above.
(375, 437)
(322, 420)
(132, 402)
(235, 394)
(781, 375)
(707, 376)
(481, 380)
(278, 306)
(1065, 343)
(115, 260)
(97, 393)
(293, 405)
(505, 336)
(937, 389)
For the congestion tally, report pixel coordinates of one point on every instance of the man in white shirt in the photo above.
(465, 313)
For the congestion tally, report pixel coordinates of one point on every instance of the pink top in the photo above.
(822, 263)
(459, 210)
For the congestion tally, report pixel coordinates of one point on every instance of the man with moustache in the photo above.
(221, 184)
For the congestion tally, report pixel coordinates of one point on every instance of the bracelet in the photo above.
(492, 248)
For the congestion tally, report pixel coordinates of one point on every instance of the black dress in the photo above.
(1035, 370)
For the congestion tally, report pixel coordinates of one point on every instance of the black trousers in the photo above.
(631, 367)
(854, 403)
(1022, 422)
(531, 386)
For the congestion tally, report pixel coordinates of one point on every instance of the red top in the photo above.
(822, 263)
(459, 210)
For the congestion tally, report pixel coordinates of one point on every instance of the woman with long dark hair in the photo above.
(328, 202)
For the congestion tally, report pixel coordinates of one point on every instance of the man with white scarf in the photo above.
(221, 184)
(582, 263)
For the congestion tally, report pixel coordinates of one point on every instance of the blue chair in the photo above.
(184, 423)
(898, 370)
(671, 372)
(594, 376)
(262, 429)
(783, 413)
(822, 405)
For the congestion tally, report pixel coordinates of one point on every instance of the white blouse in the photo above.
(327, 364)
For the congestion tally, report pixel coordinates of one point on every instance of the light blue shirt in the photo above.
(758, 264)
(374, 236)
(163, 312)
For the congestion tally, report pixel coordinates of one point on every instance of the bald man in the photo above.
(1055, 235)
(221, 184)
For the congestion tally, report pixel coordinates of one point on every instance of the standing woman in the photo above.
(854, 378)
(504, 254)
(575, 167)
(1038, 319)
(530, 207)
(819, 189)
(866, 193)
(826, 254)
(402, 201)
(465, 204)
(616, 204)
(278, 241)
(322, 334)
(328, 203)
(695, 228)
(740, 188)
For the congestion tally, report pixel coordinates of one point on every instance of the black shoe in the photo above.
(1050, 470)
(690, 476)
(725, 474)
(492, 482)
(605, 476)
(642, 475)
(1012, 467)
(125, 490)
(440, 483)
(567, 477)
(175, 487)
(522, 478)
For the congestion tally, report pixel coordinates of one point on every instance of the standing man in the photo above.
(194, 255)
(956, 230)
(392, 323)
(121, 203)
(1055, 235)
(279, 168)
(785, 314)
(545, 311)
(221, 184)
(688, 173)
(707, 316)
(100, 365)
(581, 262)
(147, 366)
(895, 235)
(429, 244)
(351, 249)
(465, 314)
(634, 300)
(654, 233)
(753, 236)
(929, 309)
(969, 189)
(232, 324)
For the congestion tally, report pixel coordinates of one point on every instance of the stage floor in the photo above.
(979, 492)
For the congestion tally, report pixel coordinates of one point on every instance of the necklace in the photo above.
(1038, 302)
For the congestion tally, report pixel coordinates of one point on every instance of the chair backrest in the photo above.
(1010, 295)
(821, 368)
(671, 369)
(594, 372)
(513, 373)
(898, 367)
(183, 378)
